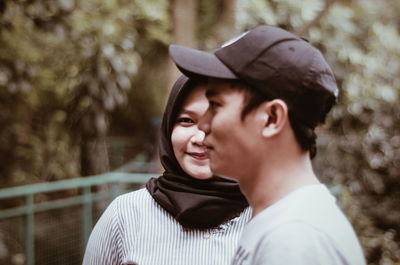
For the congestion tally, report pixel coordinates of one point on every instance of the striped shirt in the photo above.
(134, 229)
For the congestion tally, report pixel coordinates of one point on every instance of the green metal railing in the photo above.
(85, 198)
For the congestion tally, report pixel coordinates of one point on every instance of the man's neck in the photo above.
(273, 182)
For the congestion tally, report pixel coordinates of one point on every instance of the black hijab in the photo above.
(194, 203)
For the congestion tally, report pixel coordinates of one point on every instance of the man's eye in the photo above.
(213, 104)
(185, 120)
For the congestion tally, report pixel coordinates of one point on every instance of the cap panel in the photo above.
(195, 62)
(289, 60)
(239, 54)
(321, 74)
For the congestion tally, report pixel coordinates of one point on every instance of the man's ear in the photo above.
(275, 113)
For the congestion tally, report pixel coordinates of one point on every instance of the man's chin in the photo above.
(220, 173)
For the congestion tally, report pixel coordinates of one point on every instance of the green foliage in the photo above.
(31, 127)
(361, 158)
(65, 68)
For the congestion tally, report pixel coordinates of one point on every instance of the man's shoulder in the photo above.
(312, 228)
(298, 231)
(298, 242)
(289, 242)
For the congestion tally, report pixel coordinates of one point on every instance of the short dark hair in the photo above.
(303, 131)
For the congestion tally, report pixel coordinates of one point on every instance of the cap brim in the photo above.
(195, 62)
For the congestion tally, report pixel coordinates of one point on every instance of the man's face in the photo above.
(229, 139)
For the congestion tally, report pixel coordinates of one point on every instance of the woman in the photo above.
(186, 216)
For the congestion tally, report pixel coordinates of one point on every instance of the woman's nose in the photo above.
(198, 137)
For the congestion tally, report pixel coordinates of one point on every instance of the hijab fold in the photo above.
(194, 203)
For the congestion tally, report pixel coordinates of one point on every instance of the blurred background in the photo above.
(83, 86)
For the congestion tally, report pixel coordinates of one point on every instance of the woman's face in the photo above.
(187, 139)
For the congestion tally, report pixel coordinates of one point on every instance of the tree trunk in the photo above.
(94, 156)
(184, 20)
(94, 153)
(225, 28)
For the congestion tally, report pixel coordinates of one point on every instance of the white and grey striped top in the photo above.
(134, 229)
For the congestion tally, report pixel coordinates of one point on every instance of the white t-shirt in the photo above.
(135, 230)
(306, 227)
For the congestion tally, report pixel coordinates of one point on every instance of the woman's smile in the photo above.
(198, 155)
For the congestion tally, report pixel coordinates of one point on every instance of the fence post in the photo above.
(114, 190)
(29, 231)
(87, 214)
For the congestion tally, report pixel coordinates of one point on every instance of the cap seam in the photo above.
(310, 70)
(266, 49)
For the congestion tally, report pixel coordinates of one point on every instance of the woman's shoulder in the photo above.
(132, 200)
(137, 206)
(137, 197)
(132, 204)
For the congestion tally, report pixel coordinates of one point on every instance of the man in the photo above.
(268, 90)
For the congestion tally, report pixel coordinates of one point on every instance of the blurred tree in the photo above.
(183, 32)
(104, 41)
(32, 141)
(69, 64)
(217, 23)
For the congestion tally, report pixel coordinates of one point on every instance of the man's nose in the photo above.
(204, 122)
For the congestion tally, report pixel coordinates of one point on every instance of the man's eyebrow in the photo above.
(211, 92)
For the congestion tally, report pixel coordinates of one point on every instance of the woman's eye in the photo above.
(185, 120)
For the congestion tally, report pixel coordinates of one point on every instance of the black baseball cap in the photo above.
(271, 60)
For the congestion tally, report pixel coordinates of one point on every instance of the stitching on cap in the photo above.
(311, 70)
(269, 47)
